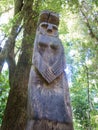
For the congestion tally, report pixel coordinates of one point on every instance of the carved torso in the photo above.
(49, 57)
(47, 100)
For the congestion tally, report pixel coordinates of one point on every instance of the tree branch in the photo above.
(7, 52)
(92, 34)
(5, 11)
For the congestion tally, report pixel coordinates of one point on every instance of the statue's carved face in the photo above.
(48, 29)
(48, 23)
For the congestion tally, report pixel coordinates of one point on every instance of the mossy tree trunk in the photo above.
(15, 112)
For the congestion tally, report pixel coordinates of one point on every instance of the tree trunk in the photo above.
(15, 112)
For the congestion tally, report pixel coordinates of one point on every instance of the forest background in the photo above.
(78, 31)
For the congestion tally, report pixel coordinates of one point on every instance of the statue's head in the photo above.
(48, 23)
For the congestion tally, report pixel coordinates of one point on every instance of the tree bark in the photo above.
(15, 112)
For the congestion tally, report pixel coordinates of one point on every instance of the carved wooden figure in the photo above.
(48, 93)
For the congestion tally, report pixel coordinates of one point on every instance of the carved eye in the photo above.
(44, 25)
(55, 27)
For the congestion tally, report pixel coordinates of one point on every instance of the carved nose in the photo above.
(49, 28)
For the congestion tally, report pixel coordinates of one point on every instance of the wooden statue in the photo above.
(48, 93)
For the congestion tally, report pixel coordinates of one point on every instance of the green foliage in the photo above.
(81, 50)
(80, 97)
(55, 6)
(5, 5)
(4, 91)
(6, 26)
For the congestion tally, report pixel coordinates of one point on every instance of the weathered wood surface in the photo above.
(49, 125)
(48, 93)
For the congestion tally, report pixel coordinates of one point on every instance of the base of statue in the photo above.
(48, 125)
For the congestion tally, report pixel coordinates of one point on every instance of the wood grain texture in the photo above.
(48, 93)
